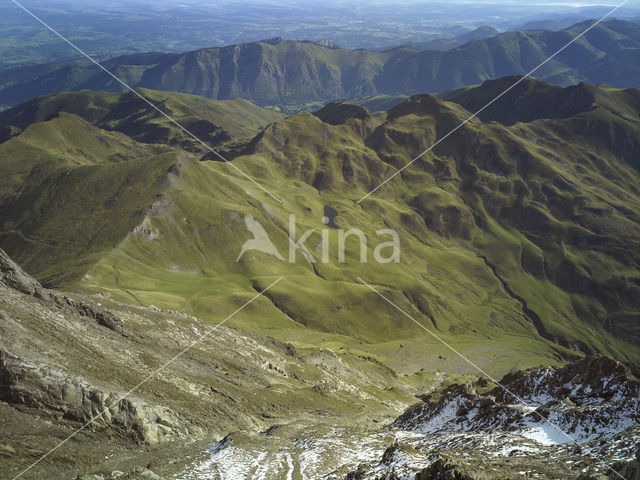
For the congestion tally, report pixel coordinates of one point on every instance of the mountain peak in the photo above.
(424, 104)
(478, 34)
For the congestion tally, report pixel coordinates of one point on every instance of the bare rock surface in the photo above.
(133, 386)
(581, 421)
(14, 277)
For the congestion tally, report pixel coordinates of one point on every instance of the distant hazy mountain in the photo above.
(550, 24)
(449, 43)
(289, 73)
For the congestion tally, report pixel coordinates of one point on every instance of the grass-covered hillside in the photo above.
(81, 169)
(519, 236)
(295, 75)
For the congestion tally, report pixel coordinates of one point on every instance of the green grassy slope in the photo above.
(295, 75)
(519, 243)
(72, 190)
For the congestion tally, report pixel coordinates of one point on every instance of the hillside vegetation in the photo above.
(81, 169)
(519, 234)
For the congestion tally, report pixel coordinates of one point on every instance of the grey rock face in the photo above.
(54, 391)
(13, 276)
(592, 405)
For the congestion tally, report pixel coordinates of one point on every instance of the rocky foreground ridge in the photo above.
(65, 362)
(243, 406)
(580, 422)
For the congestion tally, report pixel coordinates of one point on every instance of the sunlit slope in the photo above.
(518, 244)
(185, 258)
(505, 231)
(74, 185)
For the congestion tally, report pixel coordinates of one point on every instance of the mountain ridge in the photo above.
(293, 75)
(527, 227)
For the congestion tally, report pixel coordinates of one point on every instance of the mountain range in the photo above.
(522, 229)
(292, 75)
(519, 246)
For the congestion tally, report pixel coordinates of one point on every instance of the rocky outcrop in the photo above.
(59, 394)
(32, 383)
(103, 317)
(443, 470)
(583, 400)
(594, 379)
(581, 422)
(14, 277)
